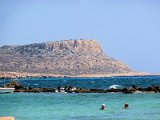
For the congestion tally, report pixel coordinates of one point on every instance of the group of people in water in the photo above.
(103, 106)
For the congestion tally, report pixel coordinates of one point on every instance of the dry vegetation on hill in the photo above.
(68, 57)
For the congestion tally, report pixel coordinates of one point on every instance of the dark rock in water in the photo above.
(68, 57)
(70, 89)
(42, 90)
(157, 88)
(132, 89)
(135, 87)
(14, 84)
(20, 90)
(153, 88)
(114, 90)
(81, 90)
(126, 91)
(97, 91)
(48, 89)
(141, 89)
(35, 90)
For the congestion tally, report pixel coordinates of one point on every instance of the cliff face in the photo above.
(68, 57)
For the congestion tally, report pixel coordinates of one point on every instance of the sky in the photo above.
(128, 30)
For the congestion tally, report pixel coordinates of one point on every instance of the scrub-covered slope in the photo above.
(67, 57)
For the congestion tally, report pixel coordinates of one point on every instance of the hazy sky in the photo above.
(128, 30)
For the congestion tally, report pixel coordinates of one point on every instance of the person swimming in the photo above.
(126, 105)
(103, 107)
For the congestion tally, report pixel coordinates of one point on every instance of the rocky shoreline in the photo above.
(13, 75)
(70, 89)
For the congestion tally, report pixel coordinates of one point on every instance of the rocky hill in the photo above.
(67, 57)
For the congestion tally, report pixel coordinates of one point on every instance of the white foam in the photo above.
(115, 87)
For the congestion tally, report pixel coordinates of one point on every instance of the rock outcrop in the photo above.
(68, 57)
(70, 89)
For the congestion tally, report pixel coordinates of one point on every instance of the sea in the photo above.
(82, 106)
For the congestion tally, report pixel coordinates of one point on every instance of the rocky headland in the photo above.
(67, 58)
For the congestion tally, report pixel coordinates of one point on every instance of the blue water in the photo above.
(84, 106)
(103, 83)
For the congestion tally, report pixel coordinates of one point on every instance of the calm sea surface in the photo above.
(60, 106)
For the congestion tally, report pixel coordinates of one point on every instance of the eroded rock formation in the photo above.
(67, 57)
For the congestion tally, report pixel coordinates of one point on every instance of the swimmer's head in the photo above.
(126, 105)
(103, 107)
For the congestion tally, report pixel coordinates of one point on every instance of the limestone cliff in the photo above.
(68, 57)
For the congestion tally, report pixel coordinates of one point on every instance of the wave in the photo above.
(36, 84)
(115, 87)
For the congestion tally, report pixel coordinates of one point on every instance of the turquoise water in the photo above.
(58, 106)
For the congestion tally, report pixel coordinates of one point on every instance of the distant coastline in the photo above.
(66, 57)
(45, 75)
